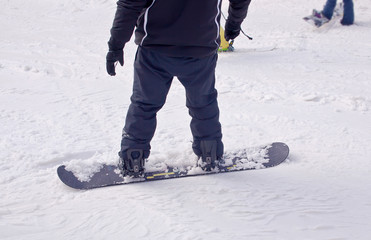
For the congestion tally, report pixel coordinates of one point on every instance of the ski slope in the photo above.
(307, 87)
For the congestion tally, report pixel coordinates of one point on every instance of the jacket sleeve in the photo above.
(237, 10)
(126, 17)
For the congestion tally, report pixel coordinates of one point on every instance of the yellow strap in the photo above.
(160, 174)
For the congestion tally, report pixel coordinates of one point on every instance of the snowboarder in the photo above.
(328, 10)
(174, 38)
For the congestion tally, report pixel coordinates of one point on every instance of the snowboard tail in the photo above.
(262, 157)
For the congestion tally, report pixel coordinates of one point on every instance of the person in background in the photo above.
(328, 10)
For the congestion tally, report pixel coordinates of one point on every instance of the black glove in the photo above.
(113, 57)
(232, 30)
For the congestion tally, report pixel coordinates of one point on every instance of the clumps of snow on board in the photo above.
(84, 169)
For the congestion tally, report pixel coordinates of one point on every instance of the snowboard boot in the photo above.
(209, 157)
(132, 163)
(318, 18)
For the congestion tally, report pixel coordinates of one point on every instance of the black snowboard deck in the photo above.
(109, 175)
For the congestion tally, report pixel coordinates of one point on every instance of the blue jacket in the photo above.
(179, 28)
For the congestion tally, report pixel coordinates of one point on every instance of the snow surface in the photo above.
(309, 88)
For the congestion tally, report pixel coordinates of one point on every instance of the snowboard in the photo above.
(246, 159)
(316, 20)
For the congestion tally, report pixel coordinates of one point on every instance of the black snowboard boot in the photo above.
(132, 163)
(209, 155)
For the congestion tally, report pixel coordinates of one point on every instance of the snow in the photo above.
(309, 88)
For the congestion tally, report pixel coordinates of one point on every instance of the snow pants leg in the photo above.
(328, 9)
(153, 75)
(348, 18)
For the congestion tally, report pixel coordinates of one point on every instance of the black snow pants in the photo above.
(153, 75)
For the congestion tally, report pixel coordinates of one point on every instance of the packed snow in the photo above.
(307, 87)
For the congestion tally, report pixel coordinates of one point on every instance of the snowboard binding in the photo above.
(132, 163)
(317, 18)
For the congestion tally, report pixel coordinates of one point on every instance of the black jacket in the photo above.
(179, 28)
